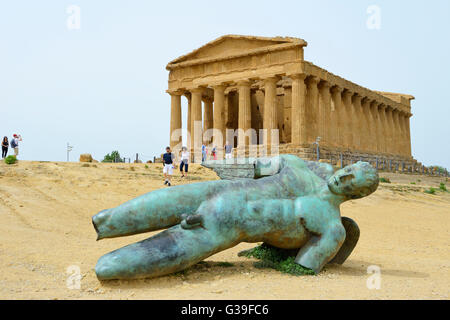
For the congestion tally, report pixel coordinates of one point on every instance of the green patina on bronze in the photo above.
(282, 201)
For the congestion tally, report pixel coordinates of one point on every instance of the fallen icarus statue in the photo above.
(283, 201)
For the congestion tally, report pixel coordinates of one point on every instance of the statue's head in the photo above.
(355, 181)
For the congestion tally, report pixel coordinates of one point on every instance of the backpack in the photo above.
(13, 143)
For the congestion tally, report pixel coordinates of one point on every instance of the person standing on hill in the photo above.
(184, 162)
(5, 145)
(168, 166)
(15, 143)
(204, 152)
(214, 153)
(228, 148)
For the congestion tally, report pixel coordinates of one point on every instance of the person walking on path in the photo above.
(228, 148)
(5, 146)
(15, 143)
(168, 166)
(214, 153)
(184, 162)
(204, 152)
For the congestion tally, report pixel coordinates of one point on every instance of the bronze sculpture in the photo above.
(289, 203)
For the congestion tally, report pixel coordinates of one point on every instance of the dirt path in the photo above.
(45, 228)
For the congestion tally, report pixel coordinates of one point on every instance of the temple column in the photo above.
(298, 110)
(390, 130)
(270, 121)
(375, 130)
(196, 133)
(244, 117)
(337, 116)
(402, 133)
(207, 114)
(189, 120)
(383, 127)
(312, 108)
(347, 123)
(324, 113)
(175, 118)
(357, 122)
(408, 135)
(397, 137)
(367, 142)
(219, 114)
(287, 113)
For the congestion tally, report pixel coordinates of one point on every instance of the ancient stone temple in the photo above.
(247, 82)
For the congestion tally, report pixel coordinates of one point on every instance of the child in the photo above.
(168, 166)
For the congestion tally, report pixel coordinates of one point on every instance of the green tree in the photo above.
(114, 156)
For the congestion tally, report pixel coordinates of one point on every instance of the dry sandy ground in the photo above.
(45, 227)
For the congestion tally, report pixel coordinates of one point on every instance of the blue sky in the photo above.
(102, 87)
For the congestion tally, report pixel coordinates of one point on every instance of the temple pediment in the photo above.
(235, 45)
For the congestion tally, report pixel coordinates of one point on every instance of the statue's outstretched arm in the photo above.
(245, 168)
(321, 248)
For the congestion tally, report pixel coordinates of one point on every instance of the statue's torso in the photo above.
(287, 223)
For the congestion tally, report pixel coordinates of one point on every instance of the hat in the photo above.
(14, 135)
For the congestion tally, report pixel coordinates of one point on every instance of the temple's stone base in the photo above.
(340, 157)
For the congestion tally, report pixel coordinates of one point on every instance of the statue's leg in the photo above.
(155, 210)
(351, 239)
(172, 250)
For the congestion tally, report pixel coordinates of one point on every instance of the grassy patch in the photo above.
(431, 190)
(413, 182)
(10, 159)
(146, 166)
(225, 264)
(442, 187)
(275, 258)
(385, 180)
(181, 273)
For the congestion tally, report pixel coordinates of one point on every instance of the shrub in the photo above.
(113, 157)
(442, 187)
(146, 166)
(413, 182)
(10, 159)
(278, 259)
(385, 180)
(431, 190)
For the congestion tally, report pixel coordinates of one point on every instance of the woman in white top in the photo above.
(184, 162)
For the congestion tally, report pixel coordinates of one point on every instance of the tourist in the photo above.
(184, 162)
(168, 166)
(228, 148)
(5, 145)
(214, 153)
(204, 152)
(15, 143)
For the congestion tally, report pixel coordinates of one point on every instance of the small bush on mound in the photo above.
(442, 187)
(10, 159)
(385, 180)
(413, 182)
(278, 259)
(431, 190)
